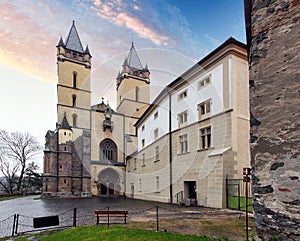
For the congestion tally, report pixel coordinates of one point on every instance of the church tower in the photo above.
(67, 154)
(133, 89)
(73, 88)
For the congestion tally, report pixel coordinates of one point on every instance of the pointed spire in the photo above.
(146, 67)
(87, 51)
(65, 123)
(73, 41)
(60, 43)
(133, 59)
(125, 62)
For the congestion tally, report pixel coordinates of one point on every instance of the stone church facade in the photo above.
(179, 148)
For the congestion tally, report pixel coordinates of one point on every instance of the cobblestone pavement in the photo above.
(138, 211)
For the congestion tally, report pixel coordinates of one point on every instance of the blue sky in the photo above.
(170, 35)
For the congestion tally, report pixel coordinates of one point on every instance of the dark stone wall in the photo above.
(64, 168)
(275, 105)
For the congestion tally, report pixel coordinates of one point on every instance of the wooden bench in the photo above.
(111, 213)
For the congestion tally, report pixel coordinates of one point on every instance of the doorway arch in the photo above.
(132, 191)
(109, 182)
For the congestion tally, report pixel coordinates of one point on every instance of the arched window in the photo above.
(108, 150)
(74, 120)
(74, 79)
(73, 100)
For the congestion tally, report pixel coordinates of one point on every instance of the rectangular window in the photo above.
(204, 82)
(143, 143)
(204, 108)
(155, 133)
(155, 115)
(182, 95)
(156, 153)
(134, 163)
(183, 141)
(157, 183)
(182, 118)
(143, 127)
(205, 138)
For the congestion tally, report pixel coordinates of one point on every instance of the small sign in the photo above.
(246, 171)
(46, 221)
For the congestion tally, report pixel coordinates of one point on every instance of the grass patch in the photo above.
(8, 198)
(233, 203)
(176, 229)
(229, 228)
(118, 232)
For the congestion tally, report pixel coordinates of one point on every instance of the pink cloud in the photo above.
(117, 12)
(28, 45)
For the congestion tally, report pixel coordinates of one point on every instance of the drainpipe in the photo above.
(170, 148)
(124, 154)
(57, 162)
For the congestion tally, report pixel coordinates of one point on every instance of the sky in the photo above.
(169, 35)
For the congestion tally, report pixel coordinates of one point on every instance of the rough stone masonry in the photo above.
(274, 60)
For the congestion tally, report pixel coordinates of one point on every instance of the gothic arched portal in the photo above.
(109, 182)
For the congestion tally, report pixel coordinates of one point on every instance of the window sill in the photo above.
(204, 117)
(205, 149)
(180, 154)
(184, 124)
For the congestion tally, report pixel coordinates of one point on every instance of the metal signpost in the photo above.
(246, 174)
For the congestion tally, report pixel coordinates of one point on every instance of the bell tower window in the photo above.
(74, 120)
(74, 80)
(73, 100)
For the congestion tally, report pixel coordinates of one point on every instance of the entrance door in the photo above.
(103, 189)
(190, 190)
(109, 182)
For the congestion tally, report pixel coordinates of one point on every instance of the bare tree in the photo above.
(9, 171)
(17, 149)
